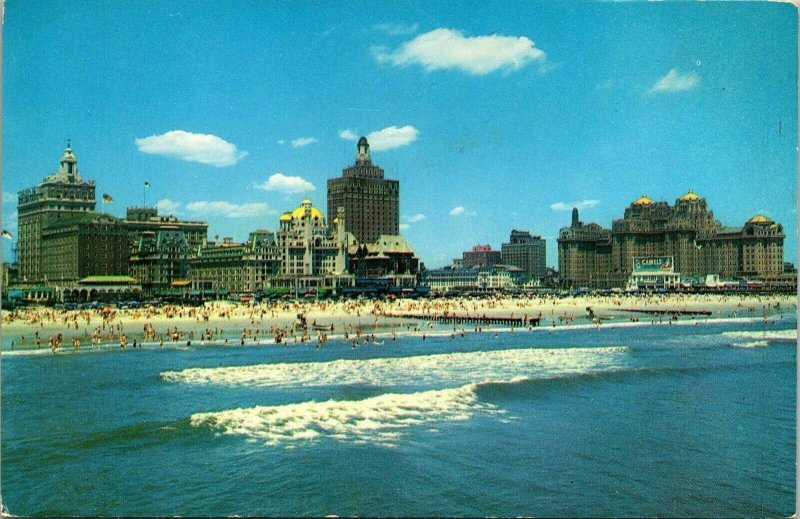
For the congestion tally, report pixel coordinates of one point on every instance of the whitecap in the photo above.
(455, 368)
(786, 335)
(380, 420)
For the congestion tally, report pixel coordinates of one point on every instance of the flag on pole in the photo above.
(107, 198)
(147, 184)
(6, 234)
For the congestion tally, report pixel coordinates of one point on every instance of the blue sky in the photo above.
(493, 116)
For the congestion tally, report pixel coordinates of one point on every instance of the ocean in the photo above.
(666, 420)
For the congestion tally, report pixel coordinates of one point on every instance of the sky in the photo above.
(492, 115)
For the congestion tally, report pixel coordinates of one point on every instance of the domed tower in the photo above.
(362, 157)
(69, 165)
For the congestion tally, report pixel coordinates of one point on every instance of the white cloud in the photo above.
(348, 135)
(449, 49)
(9, 198)
(281, 142)
(396, 29)
(567, 206)
(674, 81)
(404, 226)
(303, 141)
(415, 218)
(456, 211)
(192, 147)
(392, 137)
(167, 206)
(227, 209)
(286, 184)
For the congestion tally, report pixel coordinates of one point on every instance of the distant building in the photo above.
(466, 279)
(371, 203)
(79, 245)
(161, 247)
(237, 267)
(686, 232)
(312, 257)
(525, 251)
(60, 195)
(389, 257)
(481, 256)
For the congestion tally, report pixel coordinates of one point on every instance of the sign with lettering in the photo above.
(653, 264)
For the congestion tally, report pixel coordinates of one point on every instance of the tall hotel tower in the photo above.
(371, 203)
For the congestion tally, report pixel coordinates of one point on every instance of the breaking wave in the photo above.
(379, 420)
(780, 335)
(458, 368)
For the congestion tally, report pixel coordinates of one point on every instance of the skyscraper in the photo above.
(371, 203)
(60, 195)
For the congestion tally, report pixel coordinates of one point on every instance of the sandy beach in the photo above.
(231, 323)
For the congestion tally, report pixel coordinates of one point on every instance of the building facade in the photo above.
(247, 267)
(59, 196)
(391, 257)
(371, 202)
(686, 231)
(481, 256)
(312, 256)
(526, 252)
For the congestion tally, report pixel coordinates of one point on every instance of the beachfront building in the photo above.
(481, 256)
(525, 251)
(584, 255)
(686, 231)
(656, 273)
(140, 220)
(312, 256)
(59, 196)
(390, 258)
(240, 268)
(159, 258)
(78, 245)
(370, 201)
(468, 279)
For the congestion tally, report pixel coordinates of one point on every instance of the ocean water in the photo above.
(617, 421)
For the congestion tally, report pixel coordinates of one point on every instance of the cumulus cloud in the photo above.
(442, 49)
(348, 135)
(227, 209)
(674, 81)
(415, 218)
(303, 141)
(404, 226)
(567, 206)
(167, 206)
(396, 29)
(457, 211)
(9, 198)
(385, 139)
(392, 137)
(192, 147)
(286, 184)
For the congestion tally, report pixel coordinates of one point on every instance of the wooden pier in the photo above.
(667, 311)
(471, 319)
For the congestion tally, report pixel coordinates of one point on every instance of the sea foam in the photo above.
(379, 420)
(785, 335)
(453, 368)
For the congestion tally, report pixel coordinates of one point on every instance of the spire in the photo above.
(575, 221)
(69, 163)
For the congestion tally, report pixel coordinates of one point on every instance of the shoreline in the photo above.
(385, 332)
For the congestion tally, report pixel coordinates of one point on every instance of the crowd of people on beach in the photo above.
(285, 322)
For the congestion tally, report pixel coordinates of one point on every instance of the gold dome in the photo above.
(759, 218)
(301, 211)
(286, 217)
(643, 200)
(689, 196)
